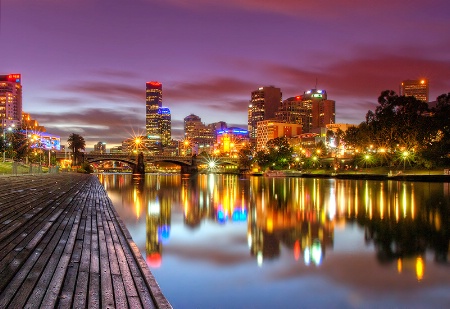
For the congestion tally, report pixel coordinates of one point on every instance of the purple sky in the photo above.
(84, 63)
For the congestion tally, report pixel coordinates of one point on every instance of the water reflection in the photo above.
(402, 220)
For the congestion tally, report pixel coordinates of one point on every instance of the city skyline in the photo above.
(84, 64)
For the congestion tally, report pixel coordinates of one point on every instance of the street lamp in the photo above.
(405, 155)
(4, 142)
(366, 158)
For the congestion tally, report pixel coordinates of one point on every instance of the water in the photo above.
(223, 241)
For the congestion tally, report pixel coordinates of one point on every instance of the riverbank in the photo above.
(436, 175)
(62, 244)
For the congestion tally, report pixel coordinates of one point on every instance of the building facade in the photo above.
(10, 100)
(198, 137)
(231, 140)
(153, 103)
(322, 110)
(270, 129)
(100, 147)
(158, 119)
(165, 126)
(415, 88)
(264, 104)
(294, 110)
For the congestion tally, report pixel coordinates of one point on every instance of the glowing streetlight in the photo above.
(405, 155)
(4, 137)
(366, 158)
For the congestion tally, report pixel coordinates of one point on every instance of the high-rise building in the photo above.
(323, 111)
(415, 88)
(165, 126)
(158, 121)
(264, 104)
(293, 110)
(10, 100)
(197, 134)
(153, 103)
(269, 129)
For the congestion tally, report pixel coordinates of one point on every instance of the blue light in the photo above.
(221, 216)
(163, 233)
(239, 215)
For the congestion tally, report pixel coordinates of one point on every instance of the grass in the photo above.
(6, 168)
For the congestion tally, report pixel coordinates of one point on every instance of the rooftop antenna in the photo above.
(316, 78)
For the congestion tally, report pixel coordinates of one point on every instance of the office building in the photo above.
(158, 119)
(323, 111)
(165, 126)
(153, 103)
(264, 104)
(198, 136)
(100, 147)
(415, 88)
(31, 125)
(294, 110)
(10, 100)
(270, 129)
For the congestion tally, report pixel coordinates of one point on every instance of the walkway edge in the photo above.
(158, 297)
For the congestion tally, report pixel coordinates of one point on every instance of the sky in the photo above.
(84, 63)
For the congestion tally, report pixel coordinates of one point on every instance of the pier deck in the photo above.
(63, 245)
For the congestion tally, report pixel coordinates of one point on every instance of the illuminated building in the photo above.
(270, 129)
(323, 111)
(198, 134)
(232, 139)
(294, 110)
(153, 103)
(158, 119)
(415, 88)
(264, 104)
(165, 126)
(10, 100)
(100, 147)
(30, 124)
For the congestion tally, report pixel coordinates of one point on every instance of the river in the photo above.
(226, 241)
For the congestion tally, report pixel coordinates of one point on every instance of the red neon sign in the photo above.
(155, 84)
(14, 78)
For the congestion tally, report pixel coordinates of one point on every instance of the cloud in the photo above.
(94, 124)
(108, 91)
(309, 8)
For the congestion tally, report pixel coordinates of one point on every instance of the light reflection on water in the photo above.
(221, 241)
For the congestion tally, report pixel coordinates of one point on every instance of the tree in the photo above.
(76, 143)
(438, 143)
(245, 158)
(280, 152)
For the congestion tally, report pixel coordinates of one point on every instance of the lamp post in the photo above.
(405, 155)
(4, 138)
(366, 158)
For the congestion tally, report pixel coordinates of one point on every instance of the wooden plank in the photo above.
(71, 250)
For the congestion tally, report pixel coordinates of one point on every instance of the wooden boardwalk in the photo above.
(62, 245)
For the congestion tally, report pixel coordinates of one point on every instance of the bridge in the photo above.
(188, 165)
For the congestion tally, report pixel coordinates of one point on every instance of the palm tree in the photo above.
(76, 143)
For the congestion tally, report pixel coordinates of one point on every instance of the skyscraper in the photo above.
(415, 88)
(323, 111)
(10, 100)
(153, 103)
(165, 126)
(292, 110)
(264, 104)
